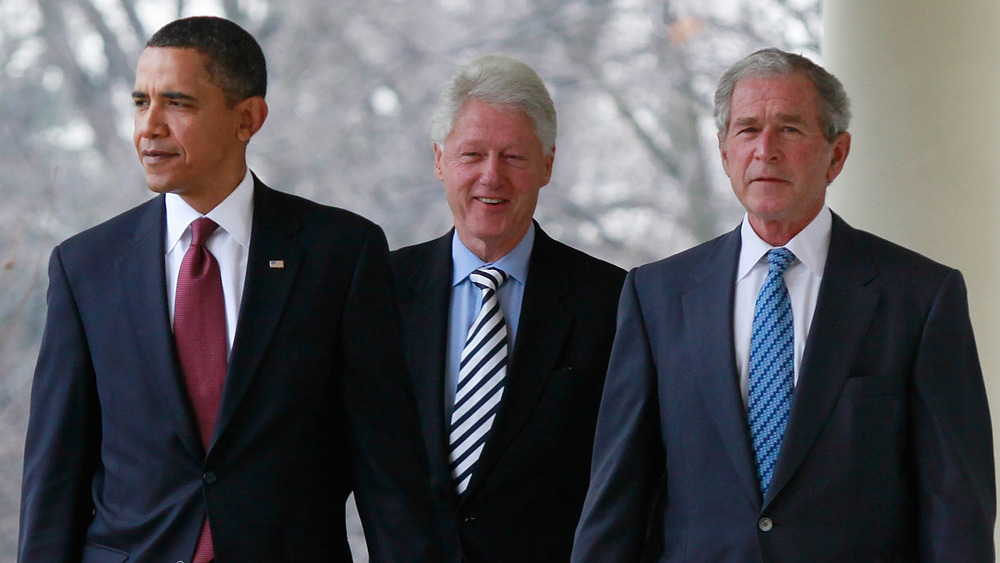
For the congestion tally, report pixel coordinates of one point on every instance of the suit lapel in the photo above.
(844, 310)
(142, 273)
(264, 297)
(425, 306)
(708, 314)
(543, 328)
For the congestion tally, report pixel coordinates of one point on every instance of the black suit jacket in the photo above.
(316, 403)
(524, 499)
(887, 455)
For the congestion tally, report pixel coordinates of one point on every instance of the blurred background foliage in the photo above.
(352, 85)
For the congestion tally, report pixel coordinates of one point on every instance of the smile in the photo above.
(489, 200)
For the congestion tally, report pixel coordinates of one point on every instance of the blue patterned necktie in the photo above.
(772, 355)
(482, 370)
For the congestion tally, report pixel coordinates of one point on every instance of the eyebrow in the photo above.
(170, 95)
(780, 118)
(745, 121)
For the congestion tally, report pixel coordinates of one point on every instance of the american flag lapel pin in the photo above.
(276, 264)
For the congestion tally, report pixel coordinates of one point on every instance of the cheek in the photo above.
(453, 190)
(813, 163)
(463, 178)
(735, 161)
(527, 195)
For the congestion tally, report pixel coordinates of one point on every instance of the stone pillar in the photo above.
(924, 169)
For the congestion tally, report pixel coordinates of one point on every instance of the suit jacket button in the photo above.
(765, 524)
(209, 478)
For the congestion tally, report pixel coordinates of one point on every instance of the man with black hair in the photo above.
(221, 366)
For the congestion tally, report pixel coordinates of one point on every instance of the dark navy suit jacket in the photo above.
(316, 403)
(888, 450)
(524, 499)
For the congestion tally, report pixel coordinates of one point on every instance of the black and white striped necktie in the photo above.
(481, 375)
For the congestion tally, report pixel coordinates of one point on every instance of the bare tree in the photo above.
(352, 86)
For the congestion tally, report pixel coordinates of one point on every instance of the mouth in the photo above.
(152, 156)
(490, 200)
(768, 180)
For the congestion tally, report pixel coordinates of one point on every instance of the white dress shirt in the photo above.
(803, 278)
(229, 244)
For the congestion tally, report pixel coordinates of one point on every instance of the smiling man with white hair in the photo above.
(507, 331)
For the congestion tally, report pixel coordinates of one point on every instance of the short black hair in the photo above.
(233, 57)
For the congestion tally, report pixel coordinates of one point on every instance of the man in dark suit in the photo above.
(139, 446)
(797, 389)
(508, 428)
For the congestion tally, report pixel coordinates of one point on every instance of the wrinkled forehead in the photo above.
(792, 96)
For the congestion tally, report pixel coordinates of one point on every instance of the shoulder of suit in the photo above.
(693, 259)
(417, 255)
(893, 259)
(585, 264)
(309, 209)
(113, 231)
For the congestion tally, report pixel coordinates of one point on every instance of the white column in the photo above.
(924, 170)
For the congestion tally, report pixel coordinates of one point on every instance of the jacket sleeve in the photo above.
(953, 435)
(628, 461)
(390, 468)
(63, 439)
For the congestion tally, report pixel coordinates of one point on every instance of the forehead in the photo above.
(172, 67)
(761, 97)
(478, 120)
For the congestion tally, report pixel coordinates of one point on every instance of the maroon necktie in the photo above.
(200, 333)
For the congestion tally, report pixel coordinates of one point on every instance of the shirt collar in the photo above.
(514, 263)
(234, 214)
(810, 246)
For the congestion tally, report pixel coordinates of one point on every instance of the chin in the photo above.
(160, 185)
(488, 230)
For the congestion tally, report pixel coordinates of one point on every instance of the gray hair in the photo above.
(834, 106)
(498, 81)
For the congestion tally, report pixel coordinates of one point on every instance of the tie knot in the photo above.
(488, 278)
(201, 229)
(779, 259)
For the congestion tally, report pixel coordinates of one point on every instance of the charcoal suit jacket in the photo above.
(887, 455)
(316, 403)
(526, 491)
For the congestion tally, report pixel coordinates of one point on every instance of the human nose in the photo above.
(149, 122)
(490, 173)
(767, 145)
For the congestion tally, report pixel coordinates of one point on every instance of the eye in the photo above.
(140, 102)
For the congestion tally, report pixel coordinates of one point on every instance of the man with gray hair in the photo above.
(507, 332)
(796, 389)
